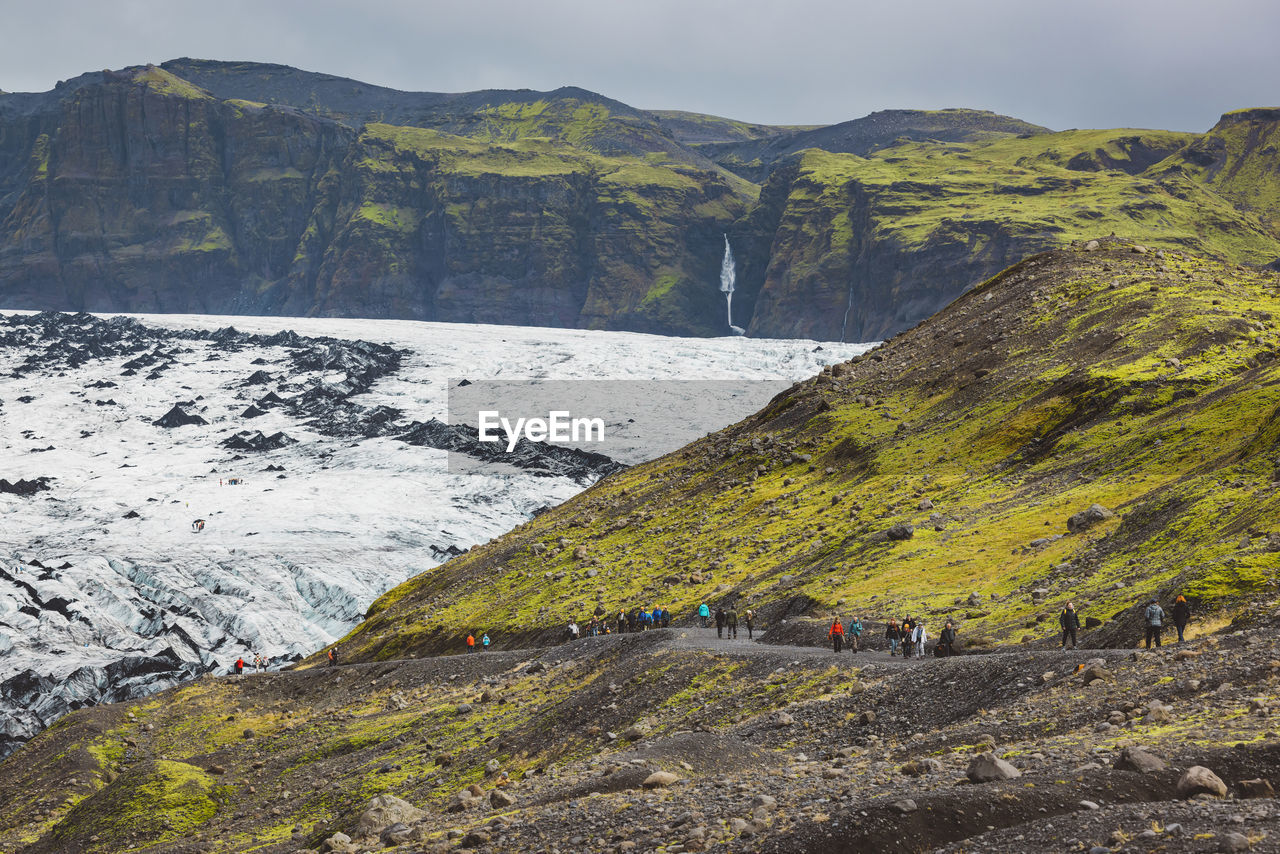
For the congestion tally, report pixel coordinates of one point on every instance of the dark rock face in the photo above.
(253, 440)
(178, 417)
(25, 488)
(538, 457)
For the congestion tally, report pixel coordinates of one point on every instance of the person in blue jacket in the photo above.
(705, 613)
(485, 640)
(854, 633)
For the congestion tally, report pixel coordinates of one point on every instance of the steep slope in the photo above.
(1239, 159)
(843, 247)
(698, 128)
(1144, 381)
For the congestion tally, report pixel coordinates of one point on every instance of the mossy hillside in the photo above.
(1141, 381)
(264, 762)
(1238, 159)
(923, 221)
(158, 801)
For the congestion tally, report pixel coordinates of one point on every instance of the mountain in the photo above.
(1096, 424)
(249, 188)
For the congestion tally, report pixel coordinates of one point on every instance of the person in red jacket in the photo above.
(471, 642)
(239, 666)
(836, 633)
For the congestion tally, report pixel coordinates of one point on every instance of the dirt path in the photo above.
(705, 639)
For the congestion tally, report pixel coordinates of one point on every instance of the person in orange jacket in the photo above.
(471, 642)
(836, 633)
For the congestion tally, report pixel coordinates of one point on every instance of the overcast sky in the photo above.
(1086, 63)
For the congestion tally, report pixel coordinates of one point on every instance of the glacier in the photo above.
(313, 455)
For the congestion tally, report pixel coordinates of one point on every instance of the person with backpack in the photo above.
(485, 640)
(471, 642)
(720, 618)
(622, 622)
(854, 633)
(646, 620)
(731, 622)
(947, 641)
(259, 663)
(893, 634)
(1069, 620)
(704, 613)
(333, 656)
(1154, 616)
(908, 626)
(836, 633)
(239, 665)
(1181, 615)
(750, 617)
(919, 637)
(657, 617)
(573, 630)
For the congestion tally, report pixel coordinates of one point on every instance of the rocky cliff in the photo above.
(262, 189)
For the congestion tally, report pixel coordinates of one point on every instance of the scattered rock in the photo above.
(987, 768)
(900, 531)
(499, 799)
(1198, 780)
(1087, 518)
(904, 806)
(384, 811)
(1259, 788)
(1138, 759)
(659, 779)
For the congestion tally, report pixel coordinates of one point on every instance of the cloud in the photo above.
(1085, 63)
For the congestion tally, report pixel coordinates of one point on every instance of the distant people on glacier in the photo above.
(197, 526)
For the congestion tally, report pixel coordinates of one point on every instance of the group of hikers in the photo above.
(259, 663)
(1153, 618)
(727, 621)
(909, 637)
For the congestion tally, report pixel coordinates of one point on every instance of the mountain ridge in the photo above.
(142, 190)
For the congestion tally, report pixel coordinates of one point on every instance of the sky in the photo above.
(1121, 63)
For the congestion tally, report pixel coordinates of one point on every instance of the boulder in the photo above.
(398, 834)
(384, 811)
(1094, 673)
(1094, 514)
(1138, 759)
(987, 768)
(339, 843)
(1259, 788)
(904, 806)
(659, 779)
(900, 531)
(499, 799)
(920, 767)
(1198, 780)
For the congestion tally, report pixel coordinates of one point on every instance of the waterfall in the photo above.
(727, 276)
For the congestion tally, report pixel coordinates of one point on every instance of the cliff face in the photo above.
(142, 193)
(139, 191)
(254, 189)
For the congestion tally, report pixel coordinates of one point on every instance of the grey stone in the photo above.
(1138, 759)
(987, 768)
(1198, 780)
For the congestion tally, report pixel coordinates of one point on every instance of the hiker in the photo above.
(1069, 620)
(197, 526)
(946, 641)
(633, 620)
(919, 637)
(1155, 621)
(258, 662)
(750, 617)
(573, 630)
(471, 642)
(720, 618)
(240, 666)
(731, 623)
(657, 617)
(704, 612)
(893, 634)
(854, 633)
(666, 618)
(485, 640)
(836, 633)
(622, 622)
(908, 626)
(1181, 614)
